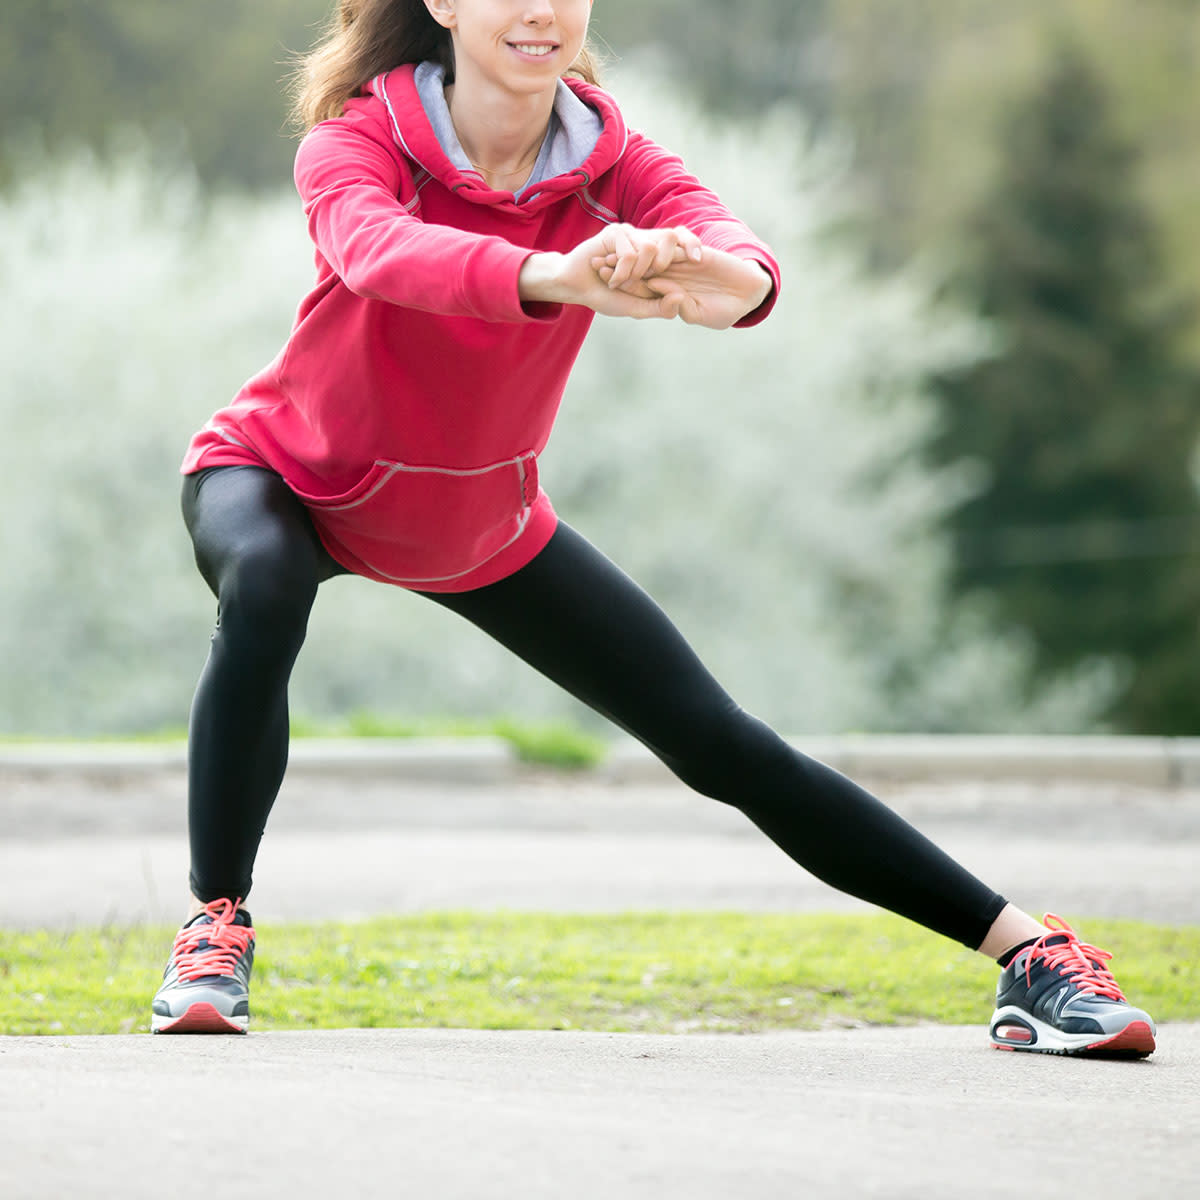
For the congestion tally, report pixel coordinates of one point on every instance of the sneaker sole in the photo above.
(1136, 1040)
(199, 1018)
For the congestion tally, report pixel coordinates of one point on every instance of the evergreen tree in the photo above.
(1083, 525)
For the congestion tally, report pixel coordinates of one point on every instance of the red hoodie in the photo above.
(415, 392)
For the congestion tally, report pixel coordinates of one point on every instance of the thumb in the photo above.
(671, 305)
(667, 289)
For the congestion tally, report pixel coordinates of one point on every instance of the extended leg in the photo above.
(579, 620)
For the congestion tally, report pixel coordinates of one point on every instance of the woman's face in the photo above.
(524, 46)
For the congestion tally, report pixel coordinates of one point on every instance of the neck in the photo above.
(500, 133)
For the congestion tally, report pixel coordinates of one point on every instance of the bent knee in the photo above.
(269, 583)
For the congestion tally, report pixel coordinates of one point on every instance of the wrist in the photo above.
(767, 286)
(540, 279)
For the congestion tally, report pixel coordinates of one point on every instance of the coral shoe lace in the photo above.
(1084, 964)
(203, 950)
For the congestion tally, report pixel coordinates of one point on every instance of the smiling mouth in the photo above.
(536, 49)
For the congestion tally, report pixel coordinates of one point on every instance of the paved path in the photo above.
(924, 1113)
(928, 1112)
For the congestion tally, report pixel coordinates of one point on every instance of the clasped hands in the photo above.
(649, 273)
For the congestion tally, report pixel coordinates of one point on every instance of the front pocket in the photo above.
(425, 524)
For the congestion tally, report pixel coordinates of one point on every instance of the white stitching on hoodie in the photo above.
(380, 88)
(592, 205)
(522, 521)
(213, 427)
(396, 468)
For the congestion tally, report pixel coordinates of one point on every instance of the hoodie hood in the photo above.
(586, 138)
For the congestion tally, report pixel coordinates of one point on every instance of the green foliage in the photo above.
(558, 744)
(1083, 525)
(636, 972)
(552, 743)
(774, 51)
(545, 743)
(921, 87)
(204, 75)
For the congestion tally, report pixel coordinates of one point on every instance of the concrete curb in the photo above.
(1161, 763)
(455, 760)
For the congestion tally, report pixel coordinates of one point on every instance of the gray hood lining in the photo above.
(574, 130)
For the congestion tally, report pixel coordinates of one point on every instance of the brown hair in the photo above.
(363, 38)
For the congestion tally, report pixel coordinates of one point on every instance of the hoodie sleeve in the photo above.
(656, 191)
(350, 184)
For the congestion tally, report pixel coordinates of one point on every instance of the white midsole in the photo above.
(1048, 1038)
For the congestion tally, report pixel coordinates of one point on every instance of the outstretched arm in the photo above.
(572, 278)
(647, 273)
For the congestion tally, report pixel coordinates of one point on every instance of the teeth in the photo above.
(537, 50)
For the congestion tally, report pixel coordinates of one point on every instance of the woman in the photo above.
(474, 199)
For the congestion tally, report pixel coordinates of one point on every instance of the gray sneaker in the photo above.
(206, 984)
(1058, 997)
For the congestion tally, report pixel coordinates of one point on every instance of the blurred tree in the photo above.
(204, 75)
(920, 87)
(736, 62)
(1084, 525)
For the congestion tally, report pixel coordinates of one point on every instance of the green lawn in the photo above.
(648, 972)
(547, 743)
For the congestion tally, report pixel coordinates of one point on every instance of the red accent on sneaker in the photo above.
(1135, 1038)
(1083, 963)
(201, 1018)
(227, 942)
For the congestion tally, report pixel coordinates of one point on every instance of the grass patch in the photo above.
(549, 743)
(545, 743)
(637, 972)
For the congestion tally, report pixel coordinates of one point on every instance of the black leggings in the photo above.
(573, 616)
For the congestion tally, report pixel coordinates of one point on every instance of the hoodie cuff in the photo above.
(489, 285)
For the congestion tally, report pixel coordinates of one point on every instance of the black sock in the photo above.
(1009, 955)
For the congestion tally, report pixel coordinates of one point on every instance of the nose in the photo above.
(539, 12)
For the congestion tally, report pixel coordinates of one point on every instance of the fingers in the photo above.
(672, 305)
(662, 261)
(689, 308)
(632, 287)
(689, 243)
(634, 254)
(624, 251)
(643, 303)
(666, 273)
(634, 259)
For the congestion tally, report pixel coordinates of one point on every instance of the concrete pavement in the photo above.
(920, 1113)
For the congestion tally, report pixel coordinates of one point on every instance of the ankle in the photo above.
(1010, 930)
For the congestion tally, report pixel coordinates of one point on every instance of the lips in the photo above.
(534, 49)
